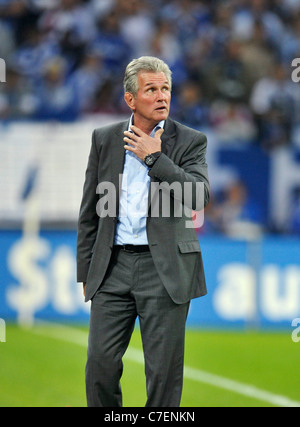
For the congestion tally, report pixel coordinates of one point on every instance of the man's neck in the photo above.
(145, 125)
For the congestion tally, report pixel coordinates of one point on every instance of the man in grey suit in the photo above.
(137, 254)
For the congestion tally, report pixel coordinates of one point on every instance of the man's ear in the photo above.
(130, 100)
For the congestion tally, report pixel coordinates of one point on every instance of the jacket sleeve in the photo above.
(88, 218)
(190, 174)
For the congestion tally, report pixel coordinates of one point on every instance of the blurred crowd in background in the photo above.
(231, 60)
(231, 63)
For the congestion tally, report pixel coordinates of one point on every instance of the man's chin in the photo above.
(161, 114)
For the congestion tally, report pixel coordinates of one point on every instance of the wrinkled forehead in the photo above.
(149, 78)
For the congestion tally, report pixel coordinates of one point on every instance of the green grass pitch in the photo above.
(44, 367)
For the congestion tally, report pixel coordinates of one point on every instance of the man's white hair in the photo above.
(144, 63)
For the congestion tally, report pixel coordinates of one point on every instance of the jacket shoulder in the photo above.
(106, 131)
(183, 130)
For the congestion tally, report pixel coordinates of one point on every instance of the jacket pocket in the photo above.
(188, 247)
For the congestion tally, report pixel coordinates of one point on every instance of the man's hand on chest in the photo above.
(142, 144)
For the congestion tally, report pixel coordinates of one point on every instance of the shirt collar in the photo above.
(160, 125)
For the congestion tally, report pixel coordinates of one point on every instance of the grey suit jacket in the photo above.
(174, 246)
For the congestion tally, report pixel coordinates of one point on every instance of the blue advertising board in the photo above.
(250, 284)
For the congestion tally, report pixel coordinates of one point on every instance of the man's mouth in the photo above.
(161, 108)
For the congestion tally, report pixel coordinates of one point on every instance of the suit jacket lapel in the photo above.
(167, 138)
(117, 159)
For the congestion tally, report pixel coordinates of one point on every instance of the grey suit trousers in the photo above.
(132, 288)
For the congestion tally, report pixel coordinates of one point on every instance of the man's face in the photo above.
(152, 102)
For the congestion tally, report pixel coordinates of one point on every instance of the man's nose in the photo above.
(161, 95)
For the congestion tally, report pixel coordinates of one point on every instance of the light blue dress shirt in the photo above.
(131, 226)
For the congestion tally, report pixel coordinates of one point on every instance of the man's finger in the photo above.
(130, 135)
(137, 130)
(129, 148)
(159, 133)
(130, 141)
